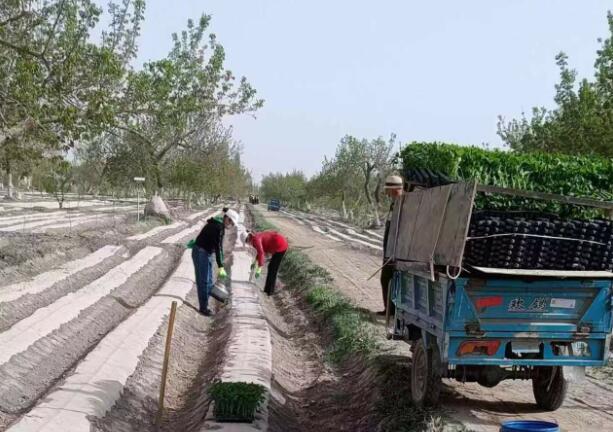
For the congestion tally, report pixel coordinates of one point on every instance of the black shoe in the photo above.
(381, 313)
(207, 312)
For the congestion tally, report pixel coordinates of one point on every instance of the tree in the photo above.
(376, 163)
(56, 175)
(289, 188)
(56, 85)
(581, 123)
(189, 92)
(361, 162)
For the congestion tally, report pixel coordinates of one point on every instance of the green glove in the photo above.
(258, 272)
(222, 273)
(190, 244)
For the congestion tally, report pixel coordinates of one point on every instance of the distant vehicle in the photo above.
(274, 205)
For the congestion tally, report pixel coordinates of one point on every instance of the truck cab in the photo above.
(274, 205)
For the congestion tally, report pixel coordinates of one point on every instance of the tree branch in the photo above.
(26, 51)
(135, 133)
(17, 17)
(57, 20)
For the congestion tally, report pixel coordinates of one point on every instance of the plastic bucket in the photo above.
(219, 292)
(529, 426)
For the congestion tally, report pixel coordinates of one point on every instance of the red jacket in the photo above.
(268, 242)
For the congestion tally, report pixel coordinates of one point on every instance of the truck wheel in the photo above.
(426, 380)
(549, 387)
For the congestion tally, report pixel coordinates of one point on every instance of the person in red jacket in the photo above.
(267, 243)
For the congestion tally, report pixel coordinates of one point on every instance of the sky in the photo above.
(436, 70)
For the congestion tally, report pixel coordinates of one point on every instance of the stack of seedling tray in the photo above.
(531, 240)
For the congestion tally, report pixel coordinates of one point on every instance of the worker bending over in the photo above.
(267, 243)
(208, 243)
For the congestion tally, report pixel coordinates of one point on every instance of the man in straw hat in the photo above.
(393, 189)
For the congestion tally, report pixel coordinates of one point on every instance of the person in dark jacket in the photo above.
(393, 189)
(209, 243)
(267, 243)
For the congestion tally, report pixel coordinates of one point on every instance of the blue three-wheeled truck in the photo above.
(484, 324)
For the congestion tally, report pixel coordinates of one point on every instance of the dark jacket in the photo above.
(388, 222)
(211, 238)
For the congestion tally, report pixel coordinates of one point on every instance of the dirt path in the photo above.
(588, 406)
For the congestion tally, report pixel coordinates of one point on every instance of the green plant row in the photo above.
(236, 401)
(352, 329)
(590, 177)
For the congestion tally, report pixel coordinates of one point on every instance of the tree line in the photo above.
(350, 182)
(74, 112)
(580, 123)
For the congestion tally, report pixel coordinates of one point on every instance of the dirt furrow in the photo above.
(39, 222)
(135, 408)
(30, 217)
(96, 219)
(104, 371)
(191, 345)
(28, 374)
(20, 300)
(192, 231)
(156, 231)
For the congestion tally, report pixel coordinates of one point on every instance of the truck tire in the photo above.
(549, 387)
(426, 380)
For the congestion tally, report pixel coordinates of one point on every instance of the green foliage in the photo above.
(56, 85)
(173, 105)
(352, 334)
(55, 176)
(236, 401)
(579, 176)
(582, 122)
(354, 177)
(60, 88)
(289, 188)
(352, 331)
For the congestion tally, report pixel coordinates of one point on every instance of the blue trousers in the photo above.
(203, 265)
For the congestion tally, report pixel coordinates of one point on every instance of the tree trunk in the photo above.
(11, 190)
(367, 173)
(343, 205)
(378, 190)
(375, 212)
(377, 201)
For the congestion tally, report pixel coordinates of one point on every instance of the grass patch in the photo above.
(236, 402)
(352, 330)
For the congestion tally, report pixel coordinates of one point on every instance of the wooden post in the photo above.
(171, 324)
